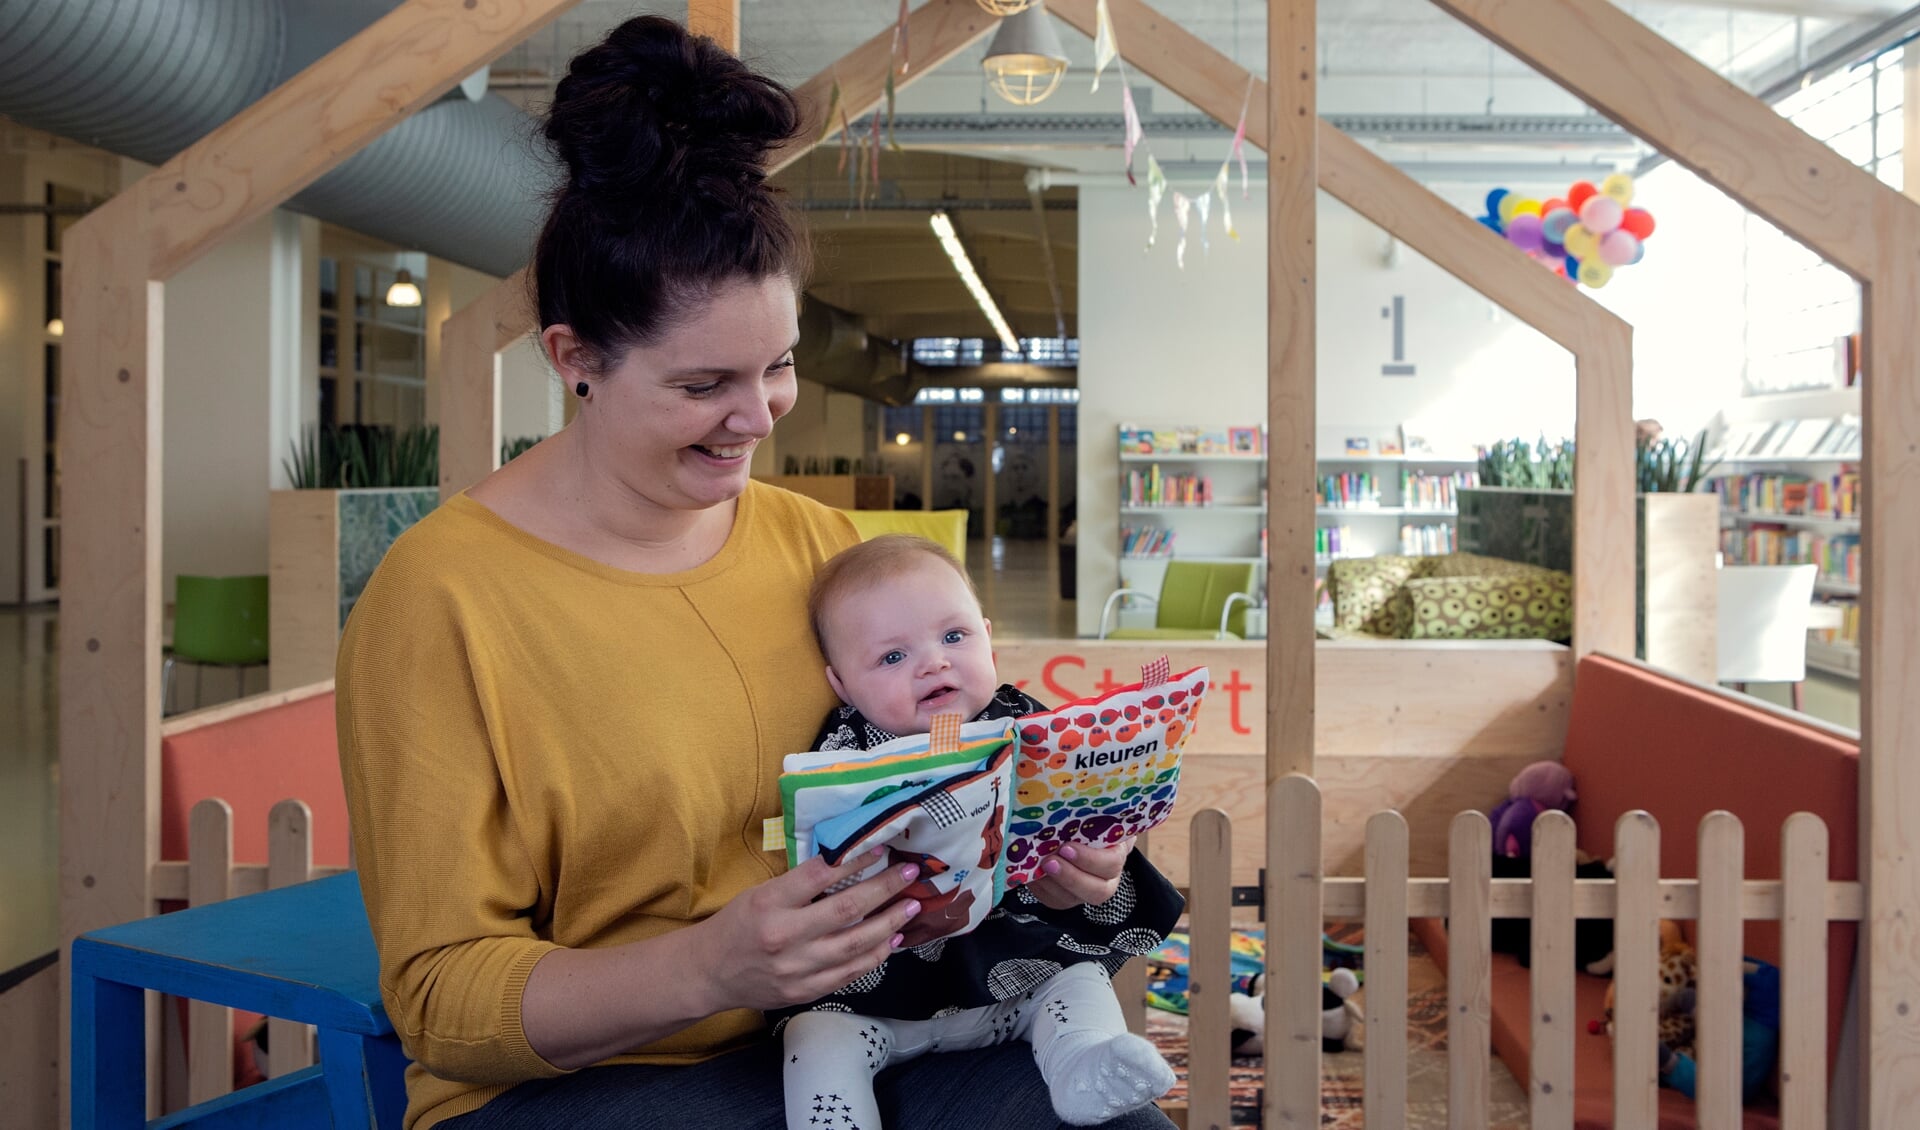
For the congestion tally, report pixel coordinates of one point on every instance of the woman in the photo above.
(564, 695)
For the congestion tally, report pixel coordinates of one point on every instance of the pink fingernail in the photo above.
(1067, 852)
(910, 872)
(896, 940)
(1051, 867)
(912, 907)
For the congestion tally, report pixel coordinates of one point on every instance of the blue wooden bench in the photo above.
(299, 953)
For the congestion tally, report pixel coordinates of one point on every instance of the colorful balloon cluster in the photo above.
(1582, 236)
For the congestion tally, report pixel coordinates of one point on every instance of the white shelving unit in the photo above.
(1832, 658)
(1226, 531)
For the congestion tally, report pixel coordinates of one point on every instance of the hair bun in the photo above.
(652, 107)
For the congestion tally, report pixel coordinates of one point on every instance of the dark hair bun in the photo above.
(653, 109)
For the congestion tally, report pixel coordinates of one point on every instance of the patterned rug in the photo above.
(1341, 1075)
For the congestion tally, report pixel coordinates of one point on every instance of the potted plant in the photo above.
(355, 489)
(1523, 511)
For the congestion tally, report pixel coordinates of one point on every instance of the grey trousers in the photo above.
(996, 1088)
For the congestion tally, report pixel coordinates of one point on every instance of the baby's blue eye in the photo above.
(893, 657)
(955, 635)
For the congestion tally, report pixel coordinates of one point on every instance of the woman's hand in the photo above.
(1078, 874)
(774, 946)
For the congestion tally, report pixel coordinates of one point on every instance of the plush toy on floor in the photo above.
(1541, 787)
(1342, 1027)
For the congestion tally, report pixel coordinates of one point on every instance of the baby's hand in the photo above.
(1078, 874)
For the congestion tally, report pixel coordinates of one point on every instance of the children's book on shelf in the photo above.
(1359, 445)
(980, 806)
(1184, 440)
(1389, 443)
(1244, 441)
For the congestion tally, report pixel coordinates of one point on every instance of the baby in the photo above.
(902, 631)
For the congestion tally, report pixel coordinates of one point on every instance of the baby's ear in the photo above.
(833, 681)
(988, 624)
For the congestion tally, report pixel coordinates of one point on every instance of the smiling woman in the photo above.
(564, 695)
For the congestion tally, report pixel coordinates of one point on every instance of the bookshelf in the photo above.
(1789, 484)
(1196, 494)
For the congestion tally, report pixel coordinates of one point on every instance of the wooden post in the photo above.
(1812, 193)
(1293, 179)
(116, 262)
(926, 457)
(1053, 487)
(939, 30)
(718, 20)
(1602, 344)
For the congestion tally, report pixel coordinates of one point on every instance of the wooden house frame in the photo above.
(119, 258)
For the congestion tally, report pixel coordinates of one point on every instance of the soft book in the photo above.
(980, 806)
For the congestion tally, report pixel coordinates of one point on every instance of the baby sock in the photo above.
(1094, 1068)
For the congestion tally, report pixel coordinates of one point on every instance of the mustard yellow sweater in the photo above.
(543, 751)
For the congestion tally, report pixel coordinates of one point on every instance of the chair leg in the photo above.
(166, 686)
(109, 1065)
(366, 1079)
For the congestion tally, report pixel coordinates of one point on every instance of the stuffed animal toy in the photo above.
(1342, 1028)
(1540, 787)
(1679, 975)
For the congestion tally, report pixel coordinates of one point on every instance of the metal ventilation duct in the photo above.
(147, 78)
(835, 350)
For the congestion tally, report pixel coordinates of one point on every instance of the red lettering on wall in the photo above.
(1235, 686)
(1107, 685)
(1053, 687)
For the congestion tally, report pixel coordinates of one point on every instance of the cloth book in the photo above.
(980, 806)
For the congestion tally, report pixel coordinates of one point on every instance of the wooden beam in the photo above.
(718, 20)
(939, 30)
(1293, 174)
(470, 343)
(117, 261)
(1602, 344)
(1744, 148)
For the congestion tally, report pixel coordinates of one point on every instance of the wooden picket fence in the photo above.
(1299, 898)
(208, 875)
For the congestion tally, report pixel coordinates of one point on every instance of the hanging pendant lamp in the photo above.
(1004, 8)
(1026, 61)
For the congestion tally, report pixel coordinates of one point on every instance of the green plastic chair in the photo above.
(217, 622)
(1197, 601)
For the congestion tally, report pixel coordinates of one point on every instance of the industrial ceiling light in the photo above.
(56, 327)
(1025, 61)
(403, 292)
(1005, 8)
(950, 242)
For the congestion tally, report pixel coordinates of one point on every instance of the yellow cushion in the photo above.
(948, 527)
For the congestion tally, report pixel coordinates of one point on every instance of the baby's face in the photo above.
(910, 647)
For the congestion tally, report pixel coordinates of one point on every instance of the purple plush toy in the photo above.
(1539, 787)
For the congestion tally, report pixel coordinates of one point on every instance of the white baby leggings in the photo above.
(1094, 1068)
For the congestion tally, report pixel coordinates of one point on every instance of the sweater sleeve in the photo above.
(448, 884)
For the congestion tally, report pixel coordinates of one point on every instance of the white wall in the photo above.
(226, 320)
(1164, 346)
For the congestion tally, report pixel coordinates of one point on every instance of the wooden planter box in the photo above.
(843, 492)
(1676, 588)
(322, 546)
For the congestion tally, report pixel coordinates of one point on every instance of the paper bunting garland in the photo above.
(1103, 44)
(833, 108)
(1180, 206)
(1156, 188)
(1134, 132)
(1200, 203)
(1240, 138)
(1220, 190)
(900, 42)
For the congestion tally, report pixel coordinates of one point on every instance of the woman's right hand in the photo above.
(775, 945)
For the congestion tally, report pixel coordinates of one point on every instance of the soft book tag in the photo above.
(1102, 769)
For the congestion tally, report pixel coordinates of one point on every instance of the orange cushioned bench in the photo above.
(1638, 739)
(253, 755)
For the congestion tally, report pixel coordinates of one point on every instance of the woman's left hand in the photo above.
(1078, 874)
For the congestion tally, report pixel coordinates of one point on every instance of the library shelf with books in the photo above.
(1189, 494)
(1789, 484)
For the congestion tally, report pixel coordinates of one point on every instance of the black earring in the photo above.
(580, 390)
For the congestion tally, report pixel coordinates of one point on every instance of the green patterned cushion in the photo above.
(1538, 607)
(1363, 593)
(1474, 565)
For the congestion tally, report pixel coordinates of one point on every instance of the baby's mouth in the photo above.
(937, 692)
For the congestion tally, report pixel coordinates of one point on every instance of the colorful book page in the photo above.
(1099, 770)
